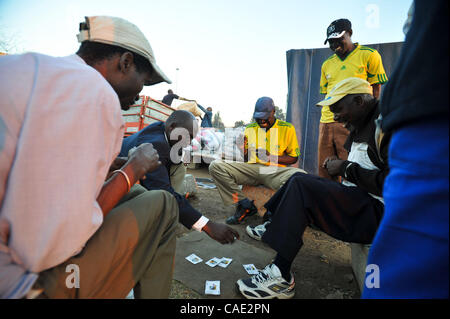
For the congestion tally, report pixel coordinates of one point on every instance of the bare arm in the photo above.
(283, 159)
(142, 161)
(376, 90)
(184, 99)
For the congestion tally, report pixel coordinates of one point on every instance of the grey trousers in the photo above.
(133, 248)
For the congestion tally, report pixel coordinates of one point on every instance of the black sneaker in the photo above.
(244, 208)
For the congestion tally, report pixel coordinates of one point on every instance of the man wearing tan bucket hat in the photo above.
(72, 225)
(350, 211)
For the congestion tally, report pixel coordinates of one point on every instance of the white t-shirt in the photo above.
(358, 154)
(60, 129)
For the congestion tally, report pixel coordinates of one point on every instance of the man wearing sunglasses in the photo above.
(349, 60)
(269, 146)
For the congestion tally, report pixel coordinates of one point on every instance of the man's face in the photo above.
(129, 88)
(183, 133)
(126, 80)
(349, 110)
(265, 123)
(341, 45)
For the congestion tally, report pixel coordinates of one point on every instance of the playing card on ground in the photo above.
(213, 262)
(225, 262)
(212, 287)
(250, 269)
(193, 258)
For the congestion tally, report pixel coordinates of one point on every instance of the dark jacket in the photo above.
(207, 118)
(422, 67)
(160, 178)
(169, 98)
(370, 180)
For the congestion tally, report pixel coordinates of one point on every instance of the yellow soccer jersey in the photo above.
(363, 62)
(279, 140)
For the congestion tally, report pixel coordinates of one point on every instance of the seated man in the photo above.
(64, 231)
(350, 211)
(269, 145)
(168, 139)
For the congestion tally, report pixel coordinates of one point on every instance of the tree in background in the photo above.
(239, 124)
(279, 114)
(217, 122)
(9, 42)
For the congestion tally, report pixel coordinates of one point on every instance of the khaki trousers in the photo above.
(332, 137)
(229, 175)
(177, 174)
(133, 248)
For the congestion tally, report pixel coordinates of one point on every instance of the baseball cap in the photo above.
(348, 86)
(121, 33)
(263, 107)
(337, 29)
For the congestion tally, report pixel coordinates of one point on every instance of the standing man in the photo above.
(269, 146)
(349, 60)
(65, 202)
(170, 96)
(207, 118)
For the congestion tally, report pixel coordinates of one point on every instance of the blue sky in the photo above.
(229, 53)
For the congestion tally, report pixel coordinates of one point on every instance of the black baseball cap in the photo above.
(337, 29)
(263, 107)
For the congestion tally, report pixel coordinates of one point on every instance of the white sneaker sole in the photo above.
(240, 287)
(250, 233)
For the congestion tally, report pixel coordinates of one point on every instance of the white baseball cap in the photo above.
(120, 32)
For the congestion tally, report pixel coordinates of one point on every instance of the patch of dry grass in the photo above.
(180, 291)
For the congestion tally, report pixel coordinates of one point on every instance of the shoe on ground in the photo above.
(244, 208)
(267, 284)
(256, 232)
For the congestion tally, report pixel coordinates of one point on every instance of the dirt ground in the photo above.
(322, 268)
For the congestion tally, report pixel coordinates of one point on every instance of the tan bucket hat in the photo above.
(120, 32)
(351, 85)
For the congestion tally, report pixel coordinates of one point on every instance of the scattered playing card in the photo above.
(193, 258)
(213, 262)
(225, 262)
(250, 269)
(212, 287)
